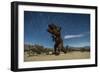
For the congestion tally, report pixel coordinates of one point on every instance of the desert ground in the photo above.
(67, 56)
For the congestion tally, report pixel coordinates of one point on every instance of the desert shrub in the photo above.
(36, 49)
(84, 50)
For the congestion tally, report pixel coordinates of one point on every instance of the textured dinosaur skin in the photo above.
(55, 32)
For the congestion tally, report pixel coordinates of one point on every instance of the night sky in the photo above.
(75, 28)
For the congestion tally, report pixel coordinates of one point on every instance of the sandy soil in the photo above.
(67, 56)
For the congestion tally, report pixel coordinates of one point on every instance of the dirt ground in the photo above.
(67, 56)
